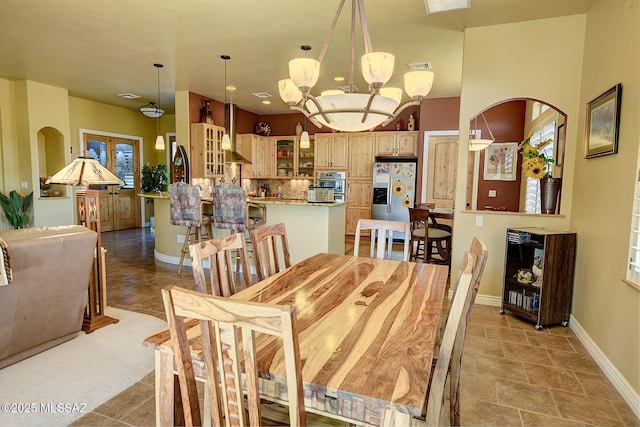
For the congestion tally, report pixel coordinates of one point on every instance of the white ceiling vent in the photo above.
(262, 95)
(345, 89)
(420, 66)
(128, 95)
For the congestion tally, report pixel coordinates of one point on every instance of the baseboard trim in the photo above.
(619, 382)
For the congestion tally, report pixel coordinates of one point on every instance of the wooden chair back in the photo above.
(479, 249)
(424, 235)
(382, 237)
(228, 330)
(434, 398)
(219, 252)
(265, 249)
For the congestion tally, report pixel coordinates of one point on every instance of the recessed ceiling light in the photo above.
(434, 6)
(231, 88)
(266, 102)
(339, 79)
(128, 95)
(262, 95)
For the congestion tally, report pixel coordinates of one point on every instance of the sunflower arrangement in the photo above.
(535, 162)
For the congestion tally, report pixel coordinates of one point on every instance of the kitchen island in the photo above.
(311, 227)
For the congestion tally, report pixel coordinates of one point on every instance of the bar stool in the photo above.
(186, 209)
(231, 211)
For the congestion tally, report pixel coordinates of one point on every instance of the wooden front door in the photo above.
(442, 169)
(119, 205)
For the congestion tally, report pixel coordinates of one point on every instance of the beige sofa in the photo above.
(44, 305)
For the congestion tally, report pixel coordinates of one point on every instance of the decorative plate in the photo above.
(263, 128)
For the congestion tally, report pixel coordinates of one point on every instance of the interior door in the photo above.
(119, 205)
(442, 169)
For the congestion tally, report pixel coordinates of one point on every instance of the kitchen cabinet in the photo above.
(206, 154)
(263, 155)
(293, 161)
(361, 155)
(354, 213)
(330, 151)
(538, 275)
(396, 143)
(359, 196)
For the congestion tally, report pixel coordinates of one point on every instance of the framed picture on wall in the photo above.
(500, 161)
(603, 123)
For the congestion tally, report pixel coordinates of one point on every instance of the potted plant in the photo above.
(16, 207)
(154, 178)
(537, 163)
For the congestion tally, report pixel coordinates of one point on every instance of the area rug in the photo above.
(62, 384)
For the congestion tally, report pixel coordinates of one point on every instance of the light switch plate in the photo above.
(479, 221)
(181, 238)
(492, 193)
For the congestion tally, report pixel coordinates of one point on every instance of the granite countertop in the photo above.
(296, 202)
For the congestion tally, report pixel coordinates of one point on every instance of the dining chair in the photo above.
(265, 249)
(218, 252)
(228, 329)
(454, 328)
(382, 232)
(424, 236)
(479, 249)
(186, 209)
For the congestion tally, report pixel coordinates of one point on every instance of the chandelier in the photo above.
(352, 112)
(479, 144)
(152, 109)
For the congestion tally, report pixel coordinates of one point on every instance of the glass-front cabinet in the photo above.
(293, 161)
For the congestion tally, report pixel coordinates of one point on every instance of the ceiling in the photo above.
(101, 48)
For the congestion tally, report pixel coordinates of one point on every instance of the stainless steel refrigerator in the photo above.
(394, 188)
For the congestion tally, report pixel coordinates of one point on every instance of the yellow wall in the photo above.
(584, 55)
(8, 137)
(603, 190)
(503, 62)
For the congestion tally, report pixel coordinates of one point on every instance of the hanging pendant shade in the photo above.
(84, 171)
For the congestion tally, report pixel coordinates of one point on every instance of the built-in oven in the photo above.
(335, 180)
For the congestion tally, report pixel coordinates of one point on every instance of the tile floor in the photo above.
(512, 375)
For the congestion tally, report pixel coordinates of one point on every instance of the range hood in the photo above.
(232, 155)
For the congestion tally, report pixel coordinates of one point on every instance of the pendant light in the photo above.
(226, 141)
(154, 111)
(478, 144)
(304, 137)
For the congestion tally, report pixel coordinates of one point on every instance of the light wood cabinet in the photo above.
(292, 161)
(396, 143)
(361, 156)
(263, 155)
(206, 154)
(354, 213)
(331, 151)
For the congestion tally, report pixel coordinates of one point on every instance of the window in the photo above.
(633, 269)
(539, 132)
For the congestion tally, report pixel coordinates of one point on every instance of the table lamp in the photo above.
(85, 171)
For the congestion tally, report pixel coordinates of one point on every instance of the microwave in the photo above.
(317, 194)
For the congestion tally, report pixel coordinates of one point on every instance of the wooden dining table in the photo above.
(367, 331)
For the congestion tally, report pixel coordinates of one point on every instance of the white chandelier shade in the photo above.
(377, 67)
(289, 92)
(304, 73)
(151, 110)
(418, 83)
(352, 112)
(344, 112)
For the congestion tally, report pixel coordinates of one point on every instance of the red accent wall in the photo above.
(507, 125)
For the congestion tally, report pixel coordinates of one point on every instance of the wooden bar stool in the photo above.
(186, 209)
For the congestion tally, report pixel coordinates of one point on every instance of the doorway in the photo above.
(441, 160)
(119, 205)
